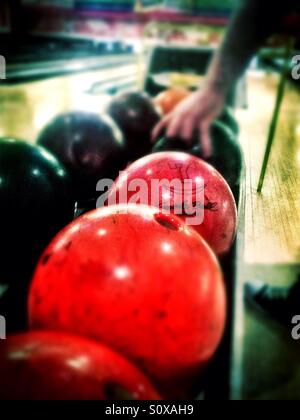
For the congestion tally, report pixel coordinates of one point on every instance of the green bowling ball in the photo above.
(35, 204)
(166, 144)
(228, 118)
(227, 156)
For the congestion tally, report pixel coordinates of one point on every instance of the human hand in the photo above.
(194, 114)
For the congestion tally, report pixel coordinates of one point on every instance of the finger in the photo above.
(205, 140)
(175, 125)
(187, 130)
(159, 128)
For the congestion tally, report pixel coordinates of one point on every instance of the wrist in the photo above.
(219, 78)
(214, 90)
(217, 87)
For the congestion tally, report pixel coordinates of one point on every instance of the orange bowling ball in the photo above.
(169, 99)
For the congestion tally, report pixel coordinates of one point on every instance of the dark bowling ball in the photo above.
(137, 115)
(229, 120)
(90, 146)
(226, 157)
(166, 144)
(35, 203)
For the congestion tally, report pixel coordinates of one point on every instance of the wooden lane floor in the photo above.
(266, 360)
(272, 223)
(26, 108)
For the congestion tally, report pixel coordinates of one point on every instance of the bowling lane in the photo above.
(266, 360)
(26, 108)
(273, 218)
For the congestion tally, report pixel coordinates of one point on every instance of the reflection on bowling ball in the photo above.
(137, 115)
(90, 146)
(200, 196)
(35, 197)
(56, 366)
(142, 283)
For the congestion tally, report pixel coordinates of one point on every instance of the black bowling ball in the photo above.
(90, 146)
(35, 204)
(226, 156)
(136, 115)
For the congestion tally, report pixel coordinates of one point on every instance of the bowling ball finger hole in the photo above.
(46, 258)
(167, 221)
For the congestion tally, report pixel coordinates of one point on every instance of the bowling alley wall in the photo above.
(124, 20)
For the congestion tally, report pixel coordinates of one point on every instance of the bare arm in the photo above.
(253, 22)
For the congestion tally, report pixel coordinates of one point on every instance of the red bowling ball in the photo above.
(141, 282)
(55, 366)
(219, 214)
